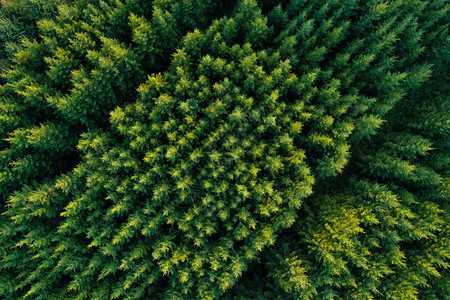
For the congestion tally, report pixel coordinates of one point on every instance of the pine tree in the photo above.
(380, 229)
(65, 81)
(78, 72)
(289, 150)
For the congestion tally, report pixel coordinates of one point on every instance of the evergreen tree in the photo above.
(68, 73)
(379, 230)
(18, 20)
(290, 150)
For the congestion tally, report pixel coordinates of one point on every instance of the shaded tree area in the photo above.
(218, 149)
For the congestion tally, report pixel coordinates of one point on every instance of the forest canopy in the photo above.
(202, 149)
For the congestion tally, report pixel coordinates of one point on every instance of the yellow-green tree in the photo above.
(288, 150)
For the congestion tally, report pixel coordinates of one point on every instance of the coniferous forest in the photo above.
(200, 149)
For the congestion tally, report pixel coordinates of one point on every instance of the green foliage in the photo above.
(218, 149)
(81, 67)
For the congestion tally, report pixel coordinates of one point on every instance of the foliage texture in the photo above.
(218, 149)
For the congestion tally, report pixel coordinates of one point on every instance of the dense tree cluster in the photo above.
(218, 149)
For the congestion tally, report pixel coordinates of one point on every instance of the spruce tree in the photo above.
(65, 77)
(379, 230)
(288, 150)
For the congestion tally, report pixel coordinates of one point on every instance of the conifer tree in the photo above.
(290, 150)
(379, 230)
(83, 65)
(65, 78)
(18, 21)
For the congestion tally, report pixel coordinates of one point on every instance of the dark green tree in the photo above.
(68, 72)
(379, 230)
(290, 150)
